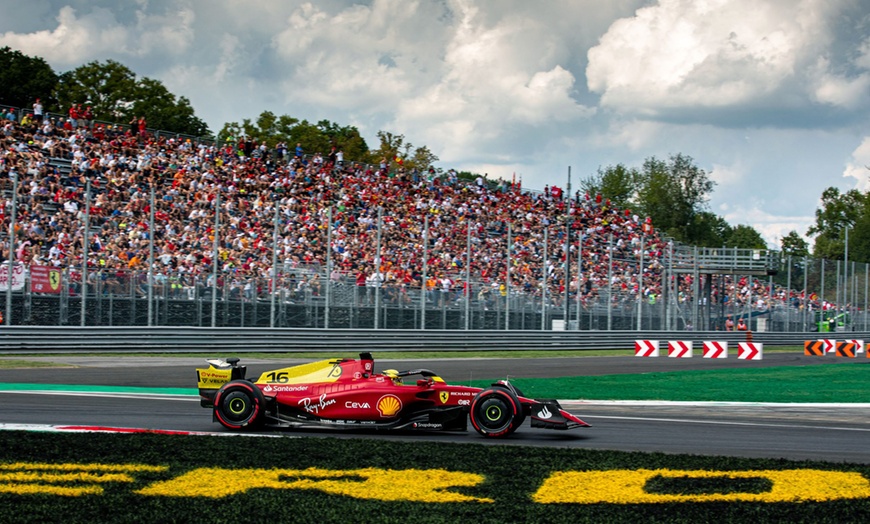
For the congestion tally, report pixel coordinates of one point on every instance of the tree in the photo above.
(836, 214)
(745, 237)
(24, 79)
(422, 159)
(109, 88)
(163, 111)
(115, 94)
(315, 138)
(672, 193)
(615, 183)
(793, 244)
(711, 230)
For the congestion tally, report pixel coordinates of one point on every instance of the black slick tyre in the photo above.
(239, 404)
(496, 412)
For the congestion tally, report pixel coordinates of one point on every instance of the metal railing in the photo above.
(230, 341)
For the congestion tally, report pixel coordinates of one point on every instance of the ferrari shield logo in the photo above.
(444, 395)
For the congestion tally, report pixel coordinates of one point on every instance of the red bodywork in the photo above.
(349, 393)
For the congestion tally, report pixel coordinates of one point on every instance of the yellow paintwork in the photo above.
(320, 371)
(212, 377)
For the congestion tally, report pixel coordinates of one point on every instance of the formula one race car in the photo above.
(347, 393)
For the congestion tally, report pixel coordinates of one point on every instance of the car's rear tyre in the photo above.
(496, 412)
(239, 405)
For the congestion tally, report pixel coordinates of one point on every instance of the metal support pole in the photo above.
(507, 283)
(11, 250)
(806, 293)
(544, 284)
(579, 275)
(788, 297)
(85, 241)
(846, 276)
(467, 274)
(640, 286)
(217, 226)
(151, 259)
(274, 286)
(822, 299)
(610, 282)
(425, 267)
(378, 271)
(568, 247)
(838, 306)
(328, 302)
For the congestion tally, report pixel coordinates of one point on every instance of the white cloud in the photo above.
(80, 37)
(771, 227)
(859, 166)
(503, 86)
(716, 53)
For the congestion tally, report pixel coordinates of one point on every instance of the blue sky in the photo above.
(770, 97)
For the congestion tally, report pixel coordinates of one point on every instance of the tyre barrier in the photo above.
(646, 348)
(680, 349)
(715, 349)
(749, 350)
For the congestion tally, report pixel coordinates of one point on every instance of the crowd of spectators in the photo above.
(249, 183)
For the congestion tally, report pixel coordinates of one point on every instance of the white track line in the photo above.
(726, 423)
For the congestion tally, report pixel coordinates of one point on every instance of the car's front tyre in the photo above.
(496, 412)
(239, 405)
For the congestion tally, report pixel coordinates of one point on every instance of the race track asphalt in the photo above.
(802, 433)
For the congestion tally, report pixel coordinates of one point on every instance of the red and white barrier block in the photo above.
(830, 345)
(715, 349)
(749, 350)
(646, 348)
(680, 348)
(859, 345)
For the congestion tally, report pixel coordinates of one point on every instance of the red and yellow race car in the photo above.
(348, 393)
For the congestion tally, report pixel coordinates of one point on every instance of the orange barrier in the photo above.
(846, 349)
(814, 348)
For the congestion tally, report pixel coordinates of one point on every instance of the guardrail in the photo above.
(222, 341)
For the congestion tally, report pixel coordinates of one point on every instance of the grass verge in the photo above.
(161, 478)
(830, 383)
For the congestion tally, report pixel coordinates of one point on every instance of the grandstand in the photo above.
(355, 245)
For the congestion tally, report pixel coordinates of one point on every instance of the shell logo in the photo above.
(389, 405)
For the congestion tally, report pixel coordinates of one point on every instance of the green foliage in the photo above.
(109, 88)
(314, 138)
(705, 486)
(615, 183)
(793, 244)
(396, 152)
(672, 193)
(837, 213)
(24, 79)
(115, 94)
(745, 237)
(711, 230)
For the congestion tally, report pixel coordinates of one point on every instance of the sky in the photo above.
(770, 97)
